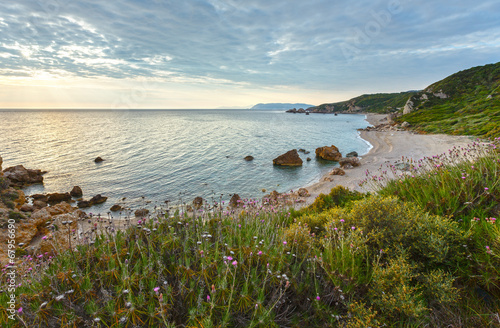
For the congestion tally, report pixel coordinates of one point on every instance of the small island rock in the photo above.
(248, 158)
(116, 208)
(290, 158)
(352, 154)
(329, 153)
(76, 192)
(98, 160)
(58, 197)
(98, 199)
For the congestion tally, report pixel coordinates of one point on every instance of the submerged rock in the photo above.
(290, 158)
(329, 153)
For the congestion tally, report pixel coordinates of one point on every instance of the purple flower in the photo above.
(284, 243)
(259, 253)
(20, 310)
(208, 298)
(229, 258)
(156, 289)
(235, 263)
(318, 298)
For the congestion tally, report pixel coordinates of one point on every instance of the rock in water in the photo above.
(329, 153)
(98, 199)
(290, 158)
(115, 208)
(98, 160)
(141, 213)
(76, 192)
(349, 162)
(84, 204)
(337, 171)
(235, 200)
(197, 202)
(248, 158)
(58, 197)
(352, 154)
(19, 176)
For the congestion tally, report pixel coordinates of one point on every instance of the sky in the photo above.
(166, 54)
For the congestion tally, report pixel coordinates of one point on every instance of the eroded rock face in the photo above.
(290, 158)
(19, 176)
(329, 153)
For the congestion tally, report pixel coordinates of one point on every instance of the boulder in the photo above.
(248, 158)
(405, 124)
(308, 159)
(352, 154)
(19, 176)
(76, 192)
(290, 158)
(40, 197)
(348, 162)
(37, 204)
(98, 160)
(83, 204)
(329, 153)
(303, 192)
(235, 200)
(141, 212)
(337, 171)
(197, 202)
(55, 198)
(27, 208)
(98, 199)
(116, 208)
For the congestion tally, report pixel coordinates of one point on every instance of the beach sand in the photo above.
(388, 147)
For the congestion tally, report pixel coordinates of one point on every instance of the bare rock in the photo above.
(76, 192)
(58, 197)
(40, 197)
(308, 159)
(248, 158)
(337, 171)
(26, 208)
(197, 202)
(329, 153)
(141, 212)
(352, 154)
(98, 160)
(405, 125)
(19, 176)
(37, 204)
(290, 158)
(98, 199)
(235, 200)
(303, 192)
(349, 162)
(84, 204)
(116, 208)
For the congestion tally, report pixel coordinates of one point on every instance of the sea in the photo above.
(157, 156)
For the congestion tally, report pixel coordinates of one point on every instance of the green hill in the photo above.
(373, 103)
(465, 103)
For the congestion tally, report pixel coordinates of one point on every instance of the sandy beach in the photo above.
(387, 148)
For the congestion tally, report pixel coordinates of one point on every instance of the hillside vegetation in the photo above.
(373, 103)
(471, 105)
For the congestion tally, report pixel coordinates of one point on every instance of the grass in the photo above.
(423, 251)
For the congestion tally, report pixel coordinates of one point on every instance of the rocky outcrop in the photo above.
(329, 153)
(290, 158)
(349, 162)
(76, 192)
(98, 199)
(408, 106)
(337, 171)
(20, 177)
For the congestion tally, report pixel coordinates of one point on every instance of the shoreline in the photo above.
(387, 147)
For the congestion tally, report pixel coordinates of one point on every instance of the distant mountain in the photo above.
(373, 103)
(467, 102)
(280, 106)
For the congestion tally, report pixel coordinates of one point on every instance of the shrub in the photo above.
(299, 238)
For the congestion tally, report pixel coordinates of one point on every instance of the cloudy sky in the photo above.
(225, 53)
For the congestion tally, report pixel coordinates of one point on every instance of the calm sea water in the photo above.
(172, 154)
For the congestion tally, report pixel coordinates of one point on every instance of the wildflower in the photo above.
(318, 298)
(213, 289)
(284, 243)
(259, 253)
(20, 310)
(208, 298)
(342, 220)
(229, 258)
(156, 289)
(353, 228)
(44, 237)
(235, 263)
(488, 250)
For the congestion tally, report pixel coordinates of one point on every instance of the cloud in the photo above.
(313, 45)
